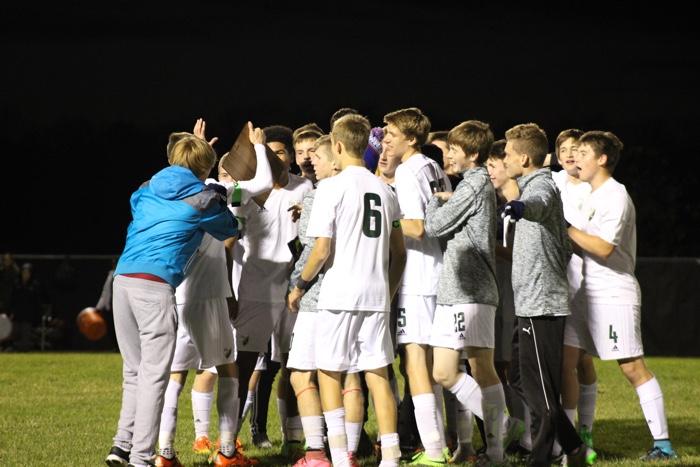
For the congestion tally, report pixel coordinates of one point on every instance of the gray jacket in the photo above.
(310, 299)
(467, 222)
(541, 250)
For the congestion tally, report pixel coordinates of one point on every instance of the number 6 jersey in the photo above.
(357, 211)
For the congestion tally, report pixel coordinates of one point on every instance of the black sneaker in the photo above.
(117, 457)
(262, 441)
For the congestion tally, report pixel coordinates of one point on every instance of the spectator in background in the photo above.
(28, 303)
(104, 304)
(9, 273)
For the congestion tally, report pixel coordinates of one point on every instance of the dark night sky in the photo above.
(91, 92)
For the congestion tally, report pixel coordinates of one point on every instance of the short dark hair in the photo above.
(437, 136)
(280, 134)
(498, 149)
(433, 152)
(604, 142)
(341, 112)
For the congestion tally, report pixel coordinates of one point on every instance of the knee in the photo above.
(300, 380)
(444, 377)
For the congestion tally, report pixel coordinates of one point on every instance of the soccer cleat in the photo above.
(314, 459)
(422, 458)
(586, 436)
(658, 454)
(485, 461)
(237, 459)
(514, 431)
(261, 440)
(117, 457)
(464, 453)
(582, 457)
(165, 462)
(202, 445)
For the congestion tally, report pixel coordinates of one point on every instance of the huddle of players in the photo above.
(435, 249)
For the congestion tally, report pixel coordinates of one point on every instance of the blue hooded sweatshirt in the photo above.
(170, 214)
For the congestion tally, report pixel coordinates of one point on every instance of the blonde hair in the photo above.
(412, 123)
(353, 131)
(193, 153)
(174, 138)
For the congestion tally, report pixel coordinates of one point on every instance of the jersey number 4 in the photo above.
(372, 218)
(612, 335)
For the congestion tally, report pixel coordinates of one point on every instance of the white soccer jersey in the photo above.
(356, 210)
(262, 256)
(206, 275)
(612, 218)
(573, 197)
(415, 180)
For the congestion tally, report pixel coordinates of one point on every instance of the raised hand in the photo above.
(199, 131)
(256, 135)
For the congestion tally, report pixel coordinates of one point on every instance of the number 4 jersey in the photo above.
(357, 211)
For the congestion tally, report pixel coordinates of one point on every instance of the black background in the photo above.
(90, 93)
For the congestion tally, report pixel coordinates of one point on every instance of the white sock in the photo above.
(168, 419)
(352, 431)
(201, 412)
(652, 401)
(390, 450)
(494, 406)
(526, 438)
(465, 424)
(282, 412)
(228, 405)
(469, 394)
(249, 401)
(337, 438)
(295, 430)
(426, 420)
(439, 405)
(313, 431)
(588, 394)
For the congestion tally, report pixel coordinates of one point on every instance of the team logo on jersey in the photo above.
(527, 331)
(244, 340)
(401, 332)
(461, 336)
(615, 349)
(227, 353)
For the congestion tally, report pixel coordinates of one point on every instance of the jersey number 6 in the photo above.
(372, 218)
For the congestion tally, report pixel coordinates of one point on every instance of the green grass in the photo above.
(62, 409)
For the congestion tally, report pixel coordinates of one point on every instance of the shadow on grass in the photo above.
(625, 439)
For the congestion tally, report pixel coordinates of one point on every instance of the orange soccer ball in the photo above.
(91, 323)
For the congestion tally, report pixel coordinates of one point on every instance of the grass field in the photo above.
(61, 409)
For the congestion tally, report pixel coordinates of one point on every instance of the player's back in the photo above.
(357, 210)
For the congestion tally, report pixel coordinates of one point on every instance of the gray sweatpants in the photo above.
(145, 321)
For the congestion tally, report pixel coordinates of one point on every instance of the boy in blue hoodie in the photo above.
(171, 212)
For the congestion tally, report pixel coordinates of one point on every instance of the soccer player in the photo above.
(608, 242)
(416, 179)
(541, 252)
(205, 336)
(467, 291)
(261, 282)
(355, 223)
(171, 212)
(302, 356)
(304, 138)
(579, 386)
